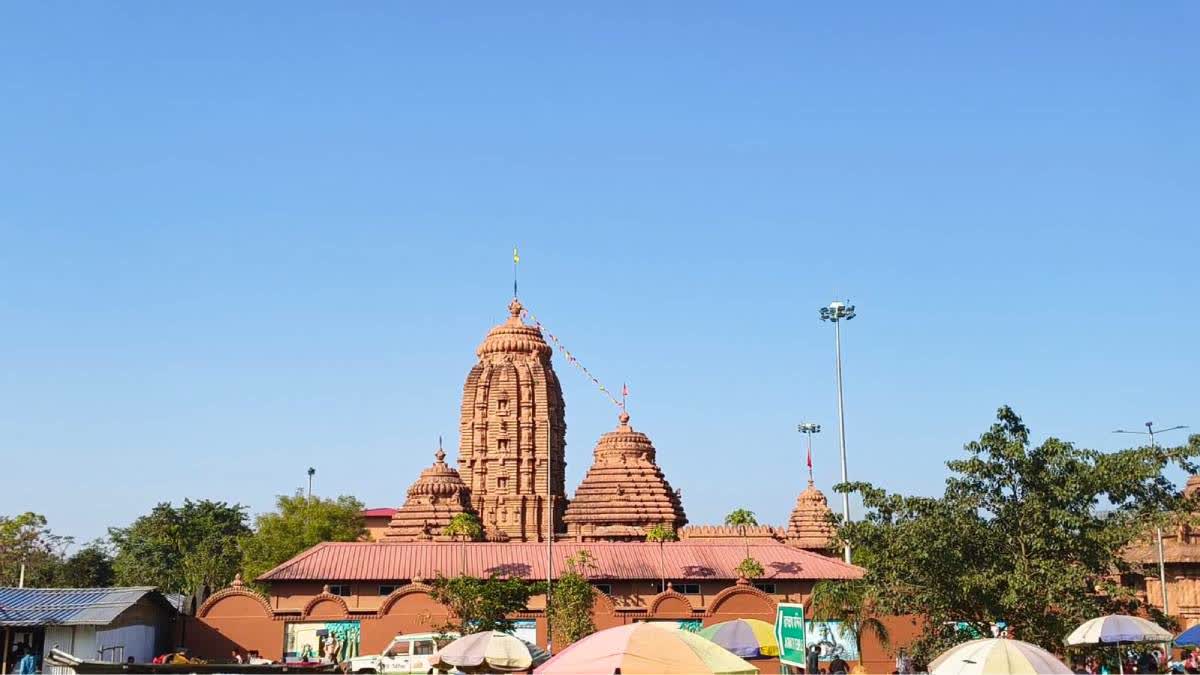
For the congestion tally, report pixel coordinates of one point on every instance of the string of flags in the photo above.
(566, 353)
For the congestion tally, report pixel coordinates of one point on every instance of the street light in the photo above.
(836, 312)
(808, 429)
(1162, 565)
(311, 473)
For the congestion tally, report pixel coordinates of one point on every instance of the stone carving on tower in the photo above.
(809, 527)
(624, 492)
(512, 430)
(437, 496)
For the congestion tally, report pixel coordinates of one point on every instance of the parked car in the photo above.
(405, 654)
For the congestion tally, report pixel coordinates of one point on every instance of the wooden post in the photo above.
(4, 659)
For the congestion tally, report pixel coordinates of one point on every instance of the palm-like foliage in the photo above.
(464, 527)
(742, 518)
(849, 602)
(661, 534)
(750, 568)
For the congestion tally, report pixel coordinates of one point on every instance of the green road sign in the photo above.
(789, 632)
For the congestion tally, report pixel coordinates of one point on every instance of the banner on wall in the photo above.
(833, 638)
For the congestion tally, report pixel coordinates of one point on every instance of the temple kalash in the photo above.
(512, 431)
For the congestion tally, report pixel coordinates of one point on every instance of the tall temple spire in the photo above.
(513, 430)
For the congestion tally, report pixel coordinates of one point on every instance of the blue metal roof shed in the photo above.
(67, 606)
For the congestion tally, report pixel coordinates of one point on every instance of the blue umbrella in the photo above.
(1189, 637)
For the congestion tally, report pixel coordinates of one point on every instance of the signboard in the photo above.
(789, 632)
(834, 640)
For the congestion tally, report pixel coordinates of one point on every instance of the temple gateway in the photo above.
(512, 437)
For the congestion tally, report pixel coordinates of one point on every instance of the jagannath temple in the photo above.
(510, 473)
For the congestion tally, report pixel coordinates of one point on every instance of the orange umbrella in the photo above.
(644, 648)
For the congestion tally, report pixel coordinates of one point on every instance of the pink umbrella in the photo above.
(644, 648)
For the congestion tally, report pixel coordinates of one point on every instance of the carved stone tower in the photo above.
(512, 429)
(624, 492)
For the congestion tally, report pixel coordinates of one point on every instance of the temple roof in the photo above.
(809, 526)
(514, 336)
(437, 496)
(624, 491)
(384, 561)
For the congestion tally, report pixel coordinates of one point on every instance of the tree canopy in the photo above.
(1028, 535)
(479, 605)
(190, 549)
(299, 522)
(26, 540)
(574, 596)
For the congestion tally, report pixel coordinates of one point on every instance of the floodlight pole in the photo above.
(1162, 564)
(836, 312)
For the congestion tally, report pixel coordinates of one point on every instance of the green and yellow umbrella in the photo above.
(747, 638)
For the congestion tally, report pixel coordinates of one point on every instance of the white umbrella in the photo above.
(999, 656)
(1115, 629)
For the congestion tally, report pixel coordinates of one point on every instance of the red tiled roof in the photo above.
(383, 512)
(386, 561)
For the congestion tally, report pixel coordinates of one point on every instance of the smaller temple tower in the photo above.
(438, 495)
(809, 527)
(624, 492)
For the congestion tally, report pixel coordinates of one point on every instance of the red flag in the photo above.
(624, 389)
(810, 460)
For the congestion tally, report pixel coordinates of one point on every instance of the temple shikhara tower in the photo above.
(624, 493)
(512, 431)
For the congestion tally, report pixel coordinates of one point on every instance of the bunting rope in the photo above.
(571, 358)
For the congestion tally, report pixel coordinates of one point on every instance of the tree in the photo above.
(89, 567)
(849, 602)
(742, 518)
(750, 568)
(26, 540)
(661, 534)
(189, 549)
(574, 597)
(1030, 535)
(299, 522)
(464, 527)
(479, 605)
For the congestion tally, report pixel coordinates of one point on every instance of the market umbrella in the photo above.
(1115, 629)
(643, 648)
(1189, 637)
(747, 638)
(487, 652)
(996, 655)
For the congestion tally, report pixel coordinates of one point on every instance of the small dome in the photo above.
(438, 495)
(514, 336)
(809, 526)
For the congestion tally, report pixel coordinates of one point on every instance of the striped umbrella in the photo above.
(1116, 628)
(996, 656)
(747, 638)
(642, 649)
(490, 651)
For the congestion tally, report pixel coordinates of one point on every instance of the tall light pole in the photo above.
(836, 312)
(808, 429)
(311, 472)
(1162, 564)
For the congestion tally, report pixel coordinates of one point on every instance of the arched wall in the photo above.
(236, 618)
(410, 609)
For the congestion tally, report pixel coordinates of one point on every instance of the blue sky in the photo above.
(237, 240)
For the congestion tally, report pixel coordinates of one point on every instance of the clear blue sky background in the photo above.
(242, 239)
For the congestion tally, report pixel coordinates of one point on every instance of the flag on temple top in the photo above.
(516, 258)
(624, 389)
(810, 460)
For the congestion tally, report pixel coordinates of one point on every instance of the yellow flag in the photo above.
(516, 258)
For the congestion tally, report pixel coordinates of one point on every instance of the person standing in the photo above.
(812, 658)
(839, 665)
(331, 648)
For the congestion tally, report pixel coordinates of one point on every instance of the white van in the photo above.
(405, 654)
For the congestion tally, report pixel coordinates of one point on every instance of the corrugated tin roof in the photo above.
(386, 561)
(66, 606)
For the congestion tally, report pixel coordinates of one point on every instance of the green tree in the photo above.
(574, 597)
(1031, 535)
(26, 540)
(479, 605)
(742, 519)
(89, 567)
(464, 527)
(750, 568)
(299, 522)
(192, 549)
(849, 602)
(661, 534)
